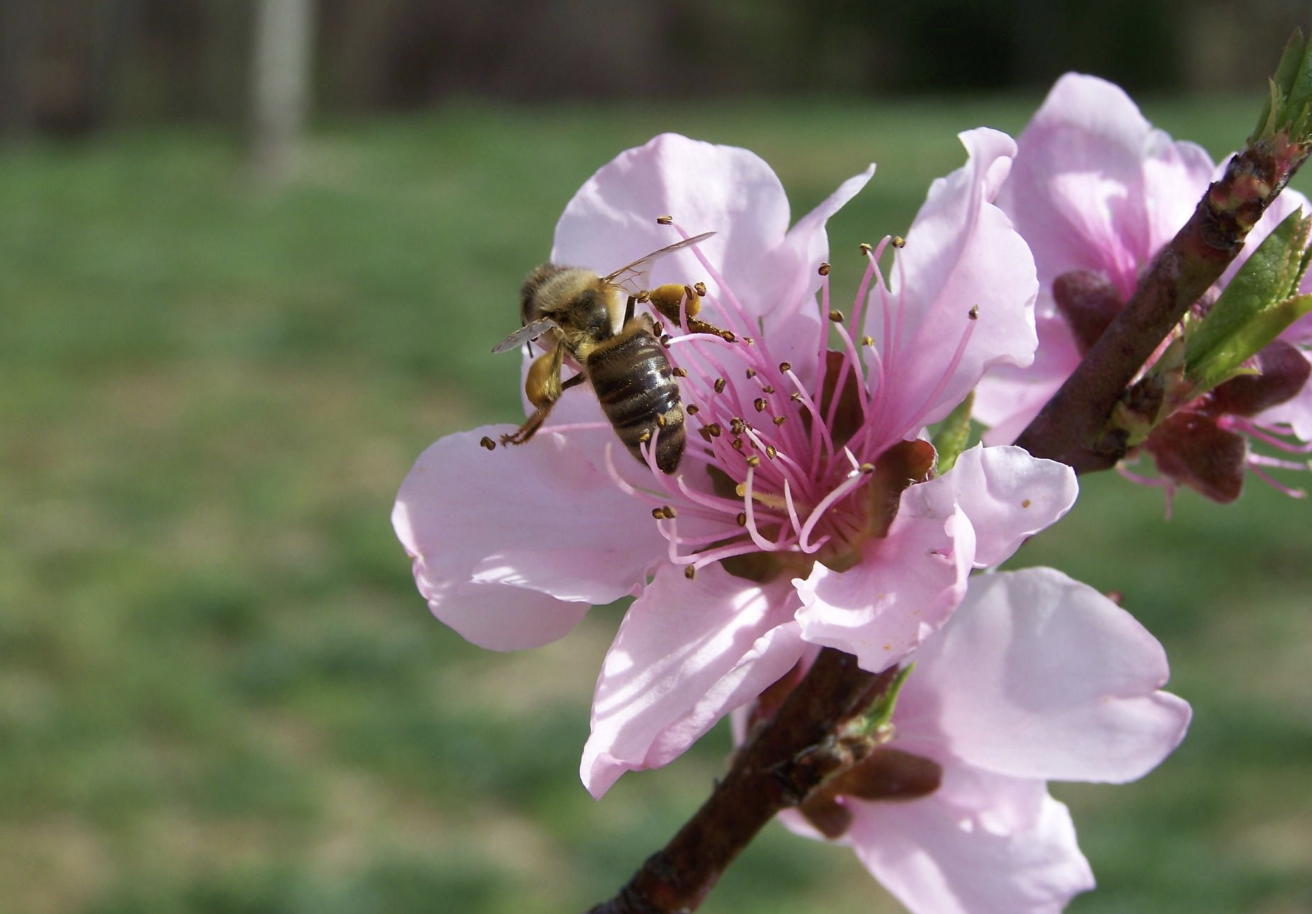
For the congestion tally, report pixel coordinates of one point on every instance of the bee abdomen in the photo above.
(635, 384)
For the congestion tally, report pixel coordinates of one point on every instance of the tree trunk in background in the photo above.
(284, 37)
(20, 33)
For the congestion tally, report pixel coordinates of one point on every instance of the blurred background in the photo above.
(253, 256)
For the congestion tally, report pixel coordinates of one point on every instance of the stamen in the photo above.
(574, 427)
(863, 394)
(820, 433)
(1277, 463)
(1279, 487)
(872, 258)
(1251, 429)
(721, 506)
(944, 378)
(840, 491)
(737, 309)
(792, 508)
(749, 510)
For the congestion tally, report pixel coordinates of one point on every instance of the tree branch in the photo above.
(1070, 428)
(787, 758)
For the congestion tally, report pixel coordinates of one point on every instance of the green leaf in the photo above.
(881, 712)
(1255, 307)
(1282, 84)
(952, 435)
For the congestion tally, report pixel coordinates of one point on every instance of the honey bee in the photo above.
(573, 312)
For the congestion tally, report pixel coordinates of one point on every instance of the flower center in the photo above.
(787, 464)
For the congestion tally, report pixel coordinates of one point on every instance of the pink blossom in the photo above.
(793, 518)
(1097, 192)
(1036, 677)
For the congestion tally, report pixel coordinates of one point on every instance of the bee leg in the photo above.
(543, 388)
(669, 301)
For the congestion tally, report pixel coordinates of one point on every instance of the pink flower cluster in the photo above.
(1097, 192)
(808, 512)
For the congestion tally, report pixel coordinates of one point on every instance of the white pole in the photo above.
(284, 38)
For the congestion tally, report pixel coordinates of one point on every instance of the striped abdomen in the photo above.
(635, 384)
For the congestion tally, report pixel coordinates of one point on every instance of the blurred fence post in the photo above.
(284, 38)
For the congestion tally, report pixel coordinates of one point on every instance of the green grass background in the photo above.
(219, 691)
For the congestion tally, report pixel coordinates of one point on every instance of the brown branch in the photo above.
(1071, 427)
(788, 758)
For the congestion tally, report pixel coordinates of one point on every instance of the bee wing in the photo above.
(631, 277)
(529, 331)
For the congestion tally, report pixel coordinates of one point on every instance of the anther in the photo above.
(669, 512)
(691, 409)
(488, 443)
(767, 389)
(866, 468)
(680, 372)
(727, 336)
(974, 312)
(865, 248)
(645, 436)
(785, 367)
(699, 288)
(665, 340)
(658, 513)
(664, 220)
(714, 430)
(867, 341)
(719, 385)
(753, 461)
(658, 328)
(643, 296)
(741, 518)
(771, 452)
(688, 292)
(836, 316)
(899, 242)
(737, 444)
(795, 396)
(751, 373)
(690, 572)
(760, 404)
(824, 269)
(736, 425)
(779, 420)
(750, 341)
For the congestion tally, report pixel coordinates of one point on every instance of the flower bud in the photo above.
(1089, 302)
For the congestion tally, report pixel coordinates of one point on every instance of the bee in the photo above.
(573, 312)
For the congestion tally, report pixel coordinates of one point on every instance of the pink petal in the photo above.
(544, 517)
(1037, 675)
(791, 274)
(688, 653)
(903, 589)
(961, 252)
(1095, 187)
(1009, 496)
(937, 857)
(498, 617)
(793, 266)
(1007, 402)
(706, 188)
